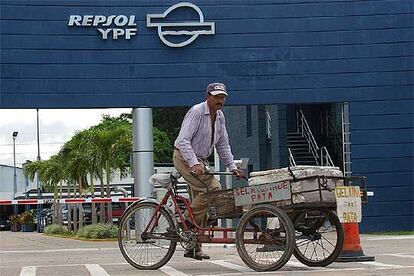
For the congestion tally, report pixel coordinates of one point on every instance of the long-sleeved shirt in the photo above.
(195, 136)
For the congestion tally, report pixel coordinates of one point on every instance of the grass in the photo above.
(94, 232)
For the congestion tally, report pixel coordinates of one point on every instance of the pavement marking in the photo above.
(171, 271)
(60, 250)
(28, 271)
(381, 264)
(96, 270)
(319, 271)
(232, 266)
(400, 255)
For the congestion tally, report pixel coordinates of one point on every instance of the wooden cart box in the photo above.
(308, 184)
(222, 204)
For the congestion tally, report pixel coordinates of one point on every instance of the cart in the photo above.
(276, 220)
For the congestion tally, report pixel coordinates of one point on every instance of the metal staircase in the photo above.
(299, 150)
(302, 147)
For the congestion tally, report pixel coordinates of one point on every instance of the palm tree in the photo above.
(113, 148)
(53, 174)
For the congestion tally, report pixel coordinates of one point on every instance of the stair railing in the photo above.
(326, 159)
(307, 133)
(321, 155)
(291, 159)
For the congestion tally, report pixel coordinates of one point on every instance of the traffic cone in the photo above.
(352, 250)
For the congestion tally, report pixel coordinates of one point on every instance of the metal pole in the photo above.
(15, 206)
(143, 159)
(143, 148)
(39, 194)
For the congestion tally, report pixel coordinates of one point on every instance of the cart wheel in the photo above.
(140, 250)
(265, 238)
(319, 237)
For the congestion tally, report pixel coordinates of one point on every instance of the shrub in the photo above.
(54, 229)
(14, 219)
(26, 218)
(98, 231)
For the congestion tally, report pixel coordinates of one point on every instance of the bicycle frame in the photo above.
(202, 236)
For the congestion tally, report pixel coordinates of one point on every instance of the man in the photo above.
(203, 128)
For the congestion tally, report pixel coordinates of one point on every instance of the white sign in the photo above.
(348, 201)
(166, 28)
(262, 193)
(125, 25)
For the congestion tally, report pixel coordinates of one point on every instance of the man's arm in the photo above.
(189, 127)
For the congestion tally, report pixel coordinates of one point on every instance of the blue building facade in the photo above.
(274, 56)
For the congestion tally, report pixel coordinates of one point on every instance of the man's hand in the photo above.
(197, 169)
(237, 172)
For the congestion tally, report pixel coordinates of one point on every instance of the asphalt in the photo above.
(29, 254)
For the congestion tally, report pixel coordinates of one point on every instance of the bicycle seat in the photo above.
(164, 179)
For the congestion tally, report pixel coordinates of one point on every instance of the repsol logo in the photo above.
(112, 26)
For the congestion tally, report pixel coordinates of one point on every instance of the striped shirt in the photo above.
(195, 136)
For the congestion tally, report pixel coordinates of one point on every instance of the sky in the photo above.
(56, 127)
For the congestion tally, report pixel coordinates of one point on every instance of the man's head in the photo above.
(216, 95)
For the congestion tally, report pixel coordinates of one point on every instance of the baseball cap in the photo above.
(217, 88)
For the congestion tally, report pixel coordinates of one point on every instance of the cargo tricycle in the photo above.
(276, 218)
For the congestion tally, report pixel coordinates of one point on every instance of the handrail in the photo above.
(326, 157)
(307, 133)
(291, 159)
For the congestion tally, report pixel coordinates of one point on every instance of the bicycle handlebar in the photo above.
(225, 173)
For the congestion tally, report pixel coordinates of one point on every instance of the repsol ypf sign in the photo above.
(112, 26)
(124, 26)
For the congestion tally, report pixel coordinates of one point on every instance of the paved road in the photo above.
(30, 254)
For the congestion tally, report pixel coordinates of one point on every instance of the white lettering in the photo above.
(109, 20)
(99, 19)
(75, 19)
(121, 20)
(132, 21)
(104, 33)
(87, 20)
(117, 32)
(130, 32)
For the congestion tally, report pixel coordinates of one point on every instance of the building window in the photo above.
(248, 120)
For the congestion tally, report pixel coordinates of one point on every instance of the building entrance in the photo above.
(318, 134)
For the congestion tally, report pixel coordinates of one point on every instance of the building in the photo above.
(347, 63)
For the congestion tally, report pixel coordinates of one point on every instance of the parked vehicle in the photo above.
(118, 209)
(4, 223)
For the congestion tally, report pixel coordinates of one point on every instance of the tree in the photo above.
(169, 120)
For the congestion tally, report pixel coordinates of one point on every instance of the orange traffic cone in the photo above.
(352, 250)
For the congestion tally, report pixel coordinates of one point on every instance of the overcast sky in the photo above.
(56, 127)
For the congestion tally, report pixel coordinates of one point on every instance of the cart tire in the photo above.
(265, 238)
(151, 253)
(319, 240)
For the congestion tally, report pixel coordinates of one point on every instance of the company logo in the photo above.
(189, 30)
(125, 25)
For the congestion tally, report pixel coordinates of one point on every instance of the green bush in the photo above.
(98, 231)
(54, 229)
(26, 218)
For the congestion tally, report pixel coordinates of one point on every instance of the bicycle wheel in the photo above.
(265, 238)
(146, 249)
(319, 237)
